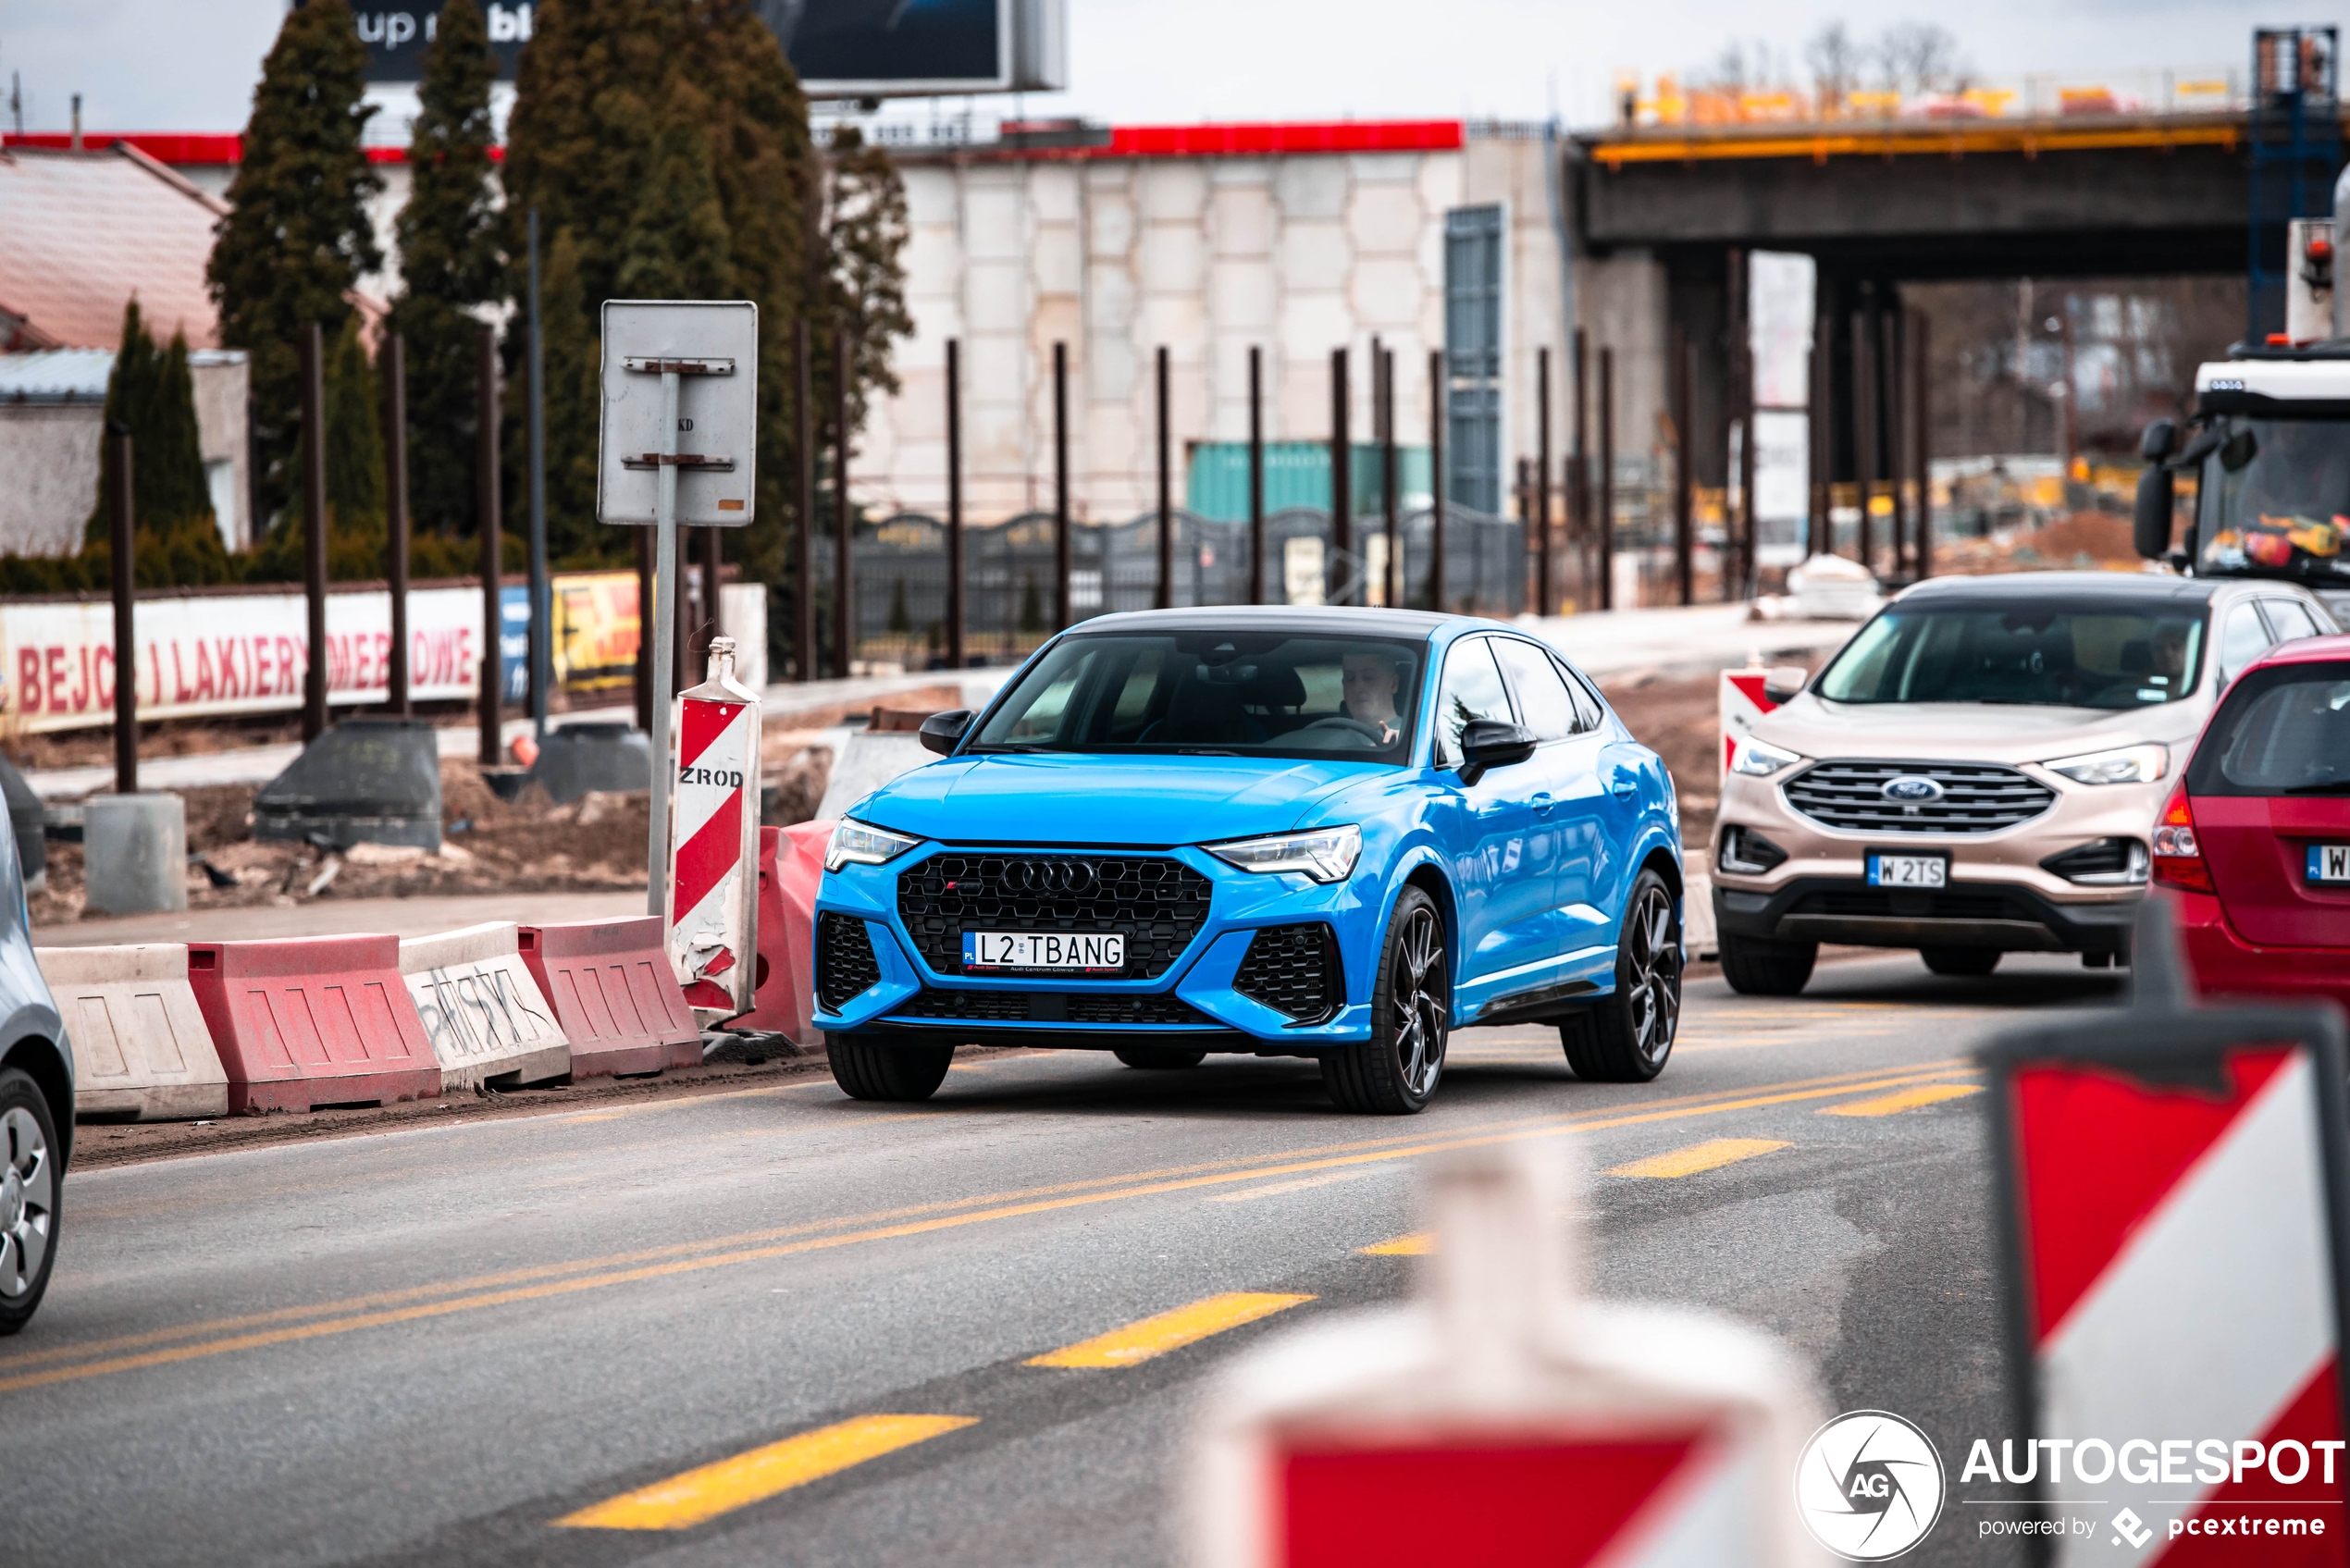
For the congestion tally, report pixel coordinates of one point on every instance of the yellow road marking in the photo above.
(1277, 1188)
(1169, 1330)
(1904, 1100)
(683, 1501)
(760, 1245)
(1710, 1155)
(1419, 1244)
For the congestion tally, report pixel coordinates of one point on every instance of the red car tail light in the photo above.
(2178, 859)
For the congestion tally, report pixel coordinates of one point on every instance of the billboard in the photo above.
(841, 48)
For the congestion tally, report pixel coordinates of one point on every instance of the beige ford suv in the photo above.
(1978, 771)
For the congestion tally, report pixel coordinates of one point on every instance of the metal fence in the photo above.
(899, 572)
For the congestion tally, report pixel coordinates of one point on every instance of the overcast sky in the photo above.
(167, 65)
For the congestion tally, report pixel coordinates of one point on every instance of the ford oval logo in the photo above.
(1912, 789)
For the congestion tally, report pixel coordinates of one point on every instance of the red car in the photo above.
(2255, 845)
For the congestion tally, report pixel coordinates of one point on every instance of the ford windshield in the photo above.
(1240, 693)
(2274, 500)
(2112, 654)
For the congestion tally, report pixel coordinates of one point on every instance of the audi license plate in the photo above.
(1042, 950)
(1909, 870)
(2329, 862)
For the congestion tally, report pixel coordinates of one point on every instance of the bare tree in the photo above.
(1914, 58)
(1836, 59)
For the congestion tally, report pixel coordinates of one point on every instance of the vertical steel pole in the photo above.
(1607, 479)
(664, 640)
(1541, 521)
(1064, 612)
(643, 683)
(844, 567)
(1436, 481)
(1256, 473)
(487, 527)
(1391, 588)
(314, 527)
(1921, 442)
(393, 361)
(714, 574)
(803, 644)
(954, 504)
(1742, 361)
(1341, 480)
(123, 532)
(1166, 597)
(1864, 428)
(1891, 349)
(1683, 451)
(1578, 481)
(542, 610)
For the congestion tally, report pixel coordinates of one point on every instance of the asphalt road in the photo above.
(426, 1347)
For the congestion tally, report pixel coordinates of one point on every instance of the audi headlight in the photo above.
(2128, 764)
(1326, 854)
(1759, 758)
(861, 844)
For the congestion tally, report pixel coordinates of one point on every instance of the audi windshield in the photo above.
(1211, 693)
(2110, 654)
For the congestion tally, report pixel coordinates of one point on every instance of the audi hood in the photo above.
(1143, 801)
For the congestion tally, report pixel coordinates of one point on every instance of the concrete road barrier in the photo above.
(311, 1021)
(791, 862)
(482, 1009)
(141, 1047)
(614, 996)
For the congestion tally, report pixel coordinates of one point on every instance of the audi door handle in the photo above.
(1623, 787)
(1542, 802)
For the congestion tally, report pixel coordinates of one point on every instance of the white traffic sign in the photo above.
(708, 351)
(1500, 1420)
(711, 917)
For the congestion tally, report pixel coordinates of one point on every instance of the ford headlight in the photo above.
(1759, 758)
(859, 844)
(2128, 764)
(1326, 854)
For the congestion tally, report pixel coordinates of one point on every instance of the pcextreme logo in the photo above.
(1869, 1485)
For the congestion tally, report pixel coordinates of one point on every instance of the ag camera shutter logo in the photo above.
(1870, 1486)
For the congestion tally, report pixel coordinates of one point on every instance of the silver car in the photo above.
(36, 1110)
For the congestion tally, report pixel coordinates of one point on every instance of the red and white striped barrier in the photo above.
(1744, 698)
(711, 910)
(1499, 1420)
(2172, 1188)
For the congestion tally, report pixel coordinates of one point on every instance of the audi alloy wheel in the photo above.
(1395, 1071)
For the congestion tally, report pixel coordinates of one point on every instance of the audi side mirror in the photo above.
(2159, 437)
(944, 732)
(1493, 743)
(1784, 683)
(2150, 522)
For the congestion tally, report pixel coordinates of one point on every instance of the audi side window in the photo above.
(1589, 713)
(1472, 689)
(1550, 712)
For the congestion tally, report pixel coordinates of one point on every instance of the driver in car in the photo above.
(1369, 685)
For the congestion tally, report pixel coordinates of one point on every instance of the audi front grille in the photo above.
(1052, 1007)
(1293, 970)
(1966, 797)
(845, 967)
(1157, 902)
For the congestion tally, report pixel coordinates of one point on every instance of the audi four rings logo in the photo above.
(1912, 789)
(1050, 876)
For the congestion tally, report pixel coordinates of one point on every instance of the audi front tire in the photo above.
(871, 1070)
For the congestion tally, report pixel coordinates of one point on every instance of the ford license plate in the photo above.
(1042, 950)
(1909, 870)
(2330, 862)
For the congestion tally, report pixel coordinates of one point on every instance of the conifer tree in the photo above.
(150, 391)
(450, 265)
(862, 292)
(676, 245)
(354, 440)
(297, 236)
(573, 537)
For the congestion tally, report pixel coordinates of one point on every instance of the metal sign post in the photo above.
(706, 355)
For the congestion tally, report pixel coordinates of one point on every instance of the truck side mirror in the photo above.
(943, 731)
(2150, 526)
(2159, 437)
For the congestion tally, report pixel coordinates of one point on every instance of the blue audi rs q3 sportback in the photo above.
(1322, 832)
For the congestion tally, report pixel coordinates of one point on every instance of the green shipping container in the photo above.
(1297, 474)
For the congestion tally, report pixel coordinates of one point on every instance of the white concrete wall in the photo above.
(1297, 254)
(222, 378)
(48, 474)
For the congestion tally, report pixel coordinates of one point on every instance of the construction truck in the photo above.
(2268, 445)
